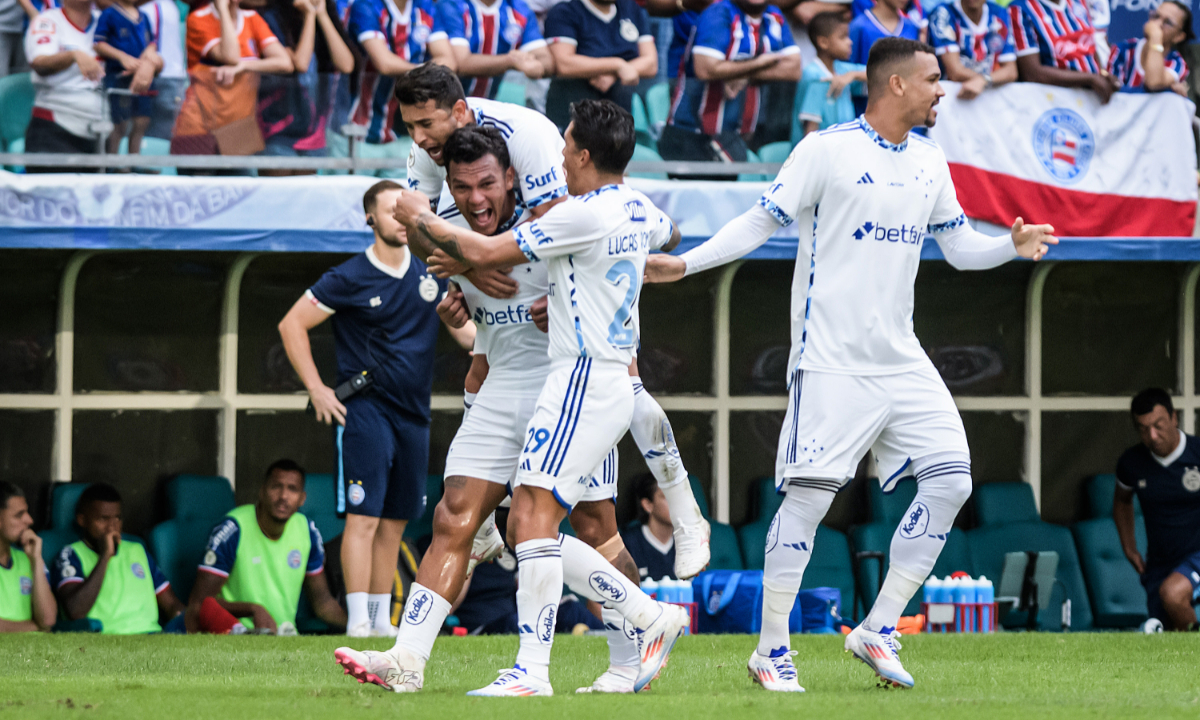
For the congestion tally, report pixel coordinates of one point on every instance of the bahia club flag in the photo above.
(1056, 155)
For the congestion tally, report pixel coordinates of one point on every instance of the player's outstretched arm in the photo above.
(968, 249)
(740, 236)
(470, 248)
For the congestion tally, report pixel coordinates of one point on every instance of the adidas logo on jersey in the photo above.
(865, 180)
(907, 234)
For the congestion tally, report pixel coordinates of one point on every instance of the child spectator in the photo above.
(171, 83)
(1153, 64)
(602, 49)
(295, 109)
(886, 19)
(826, 85)
(974, 44)
(125, 41)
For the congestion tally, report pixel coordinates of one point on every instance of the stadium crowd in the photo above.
(715, 81)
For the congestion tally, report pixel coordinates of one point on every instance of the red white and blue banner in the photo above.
(1057, 155)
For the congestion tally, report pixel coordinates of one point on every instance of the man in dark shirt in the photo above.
(385, 325)
(1164, 472)
(650, 541)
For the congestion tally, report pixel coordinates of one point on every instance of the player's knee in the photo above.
(950, 486)
(1176, 591)
(589, 523)
(453, 519)
(361, 527)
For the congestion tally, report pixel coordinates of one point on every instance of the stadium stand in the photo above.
(195, 503)
(1118, 598)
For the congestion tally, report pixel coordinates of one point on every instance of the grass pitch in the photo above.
(963, 677)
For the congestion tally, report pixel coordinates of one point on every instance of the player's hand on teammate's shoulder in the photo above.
(453, 308)
(495, 283)
(540, 311)
(661, 268)
(409, 206)
(1032, 241)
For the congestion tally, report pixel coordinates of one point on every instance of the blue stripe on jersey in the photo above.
(894, 478)
(578, 411)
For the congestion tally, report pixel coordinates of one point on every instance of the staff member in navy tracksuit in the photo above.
(383, 303)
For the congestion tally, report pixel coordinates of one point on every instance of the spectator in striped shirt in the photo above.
(974, 44)
(1152, 64)
(1056, 45)
(491, 37)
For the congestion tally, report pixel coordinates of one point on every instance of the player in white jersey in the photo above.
(433, 105)
(510, 354)
(595, 245)
(857, 376)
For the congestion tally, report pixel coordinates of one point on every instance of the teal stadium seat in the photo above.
(658, 107)
(152, 146)
(775, 152)
(16, 107)
(753, 157)
(641, 153)
(1005, 502)
(1099, 490)
(890, 507)
(511, 93)
(416, 529)
(641, 124)
(1118, 598)
(877, 537)
(320, 506)
(199, 497)
(753, 535)
(62, 530)
(830, 566)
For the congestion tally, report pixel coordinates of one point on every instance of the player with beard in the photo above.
(857, 377)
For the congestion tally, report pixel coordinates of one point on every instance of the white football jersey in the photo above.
(595, 247)
(863, 206)
(73, 101)
(534, 148)
(516, 350)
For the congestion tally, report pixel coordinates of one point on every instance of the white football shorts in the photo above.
(489, 441)
(832, 421)
(584, 409)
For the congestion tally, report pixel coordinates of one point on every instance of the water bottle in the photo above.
(667, 591)
(650, 587)
(932, 588)
(985, 593)
(967, 610)
(943, 592)
(686, 594)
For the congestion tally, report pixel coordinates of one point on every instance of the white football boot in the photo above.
(879, 650)
(515, 682)
(614, 680)
(658, 640)
(692, 551)
(361, 630)
(385, 669)
(487, 545)
(391, 631)
(776, 673)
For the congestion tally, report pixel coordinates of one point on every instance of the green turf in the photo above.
(962, 677)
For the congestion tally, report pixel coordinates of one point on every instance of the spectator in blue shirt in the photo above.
(602, 49)
(385, 326)
(886, 19)
(739, 45)
(1152, 63)
(491, 37)
(126, 42)
(974, 43)
(826, 85)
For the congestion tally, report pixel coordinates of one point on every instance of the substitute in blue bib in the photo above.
(385, 326)
(26, 602)
(1163, 472)
(260, 557)
(108, 577)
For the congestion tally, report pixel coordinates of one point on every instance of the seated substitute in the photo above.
(1153, 63)
(1163, 471)
(261, 555)
(650, 542)
(26, 603)
(109, 578)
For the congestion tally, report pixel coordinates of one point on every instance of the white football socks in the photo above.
(587, 573)
(789, 548)
(356, 610)
(539, 591)
(623, 656)
(424, 613)
(379, 608)
(943, 486)
(651, 431)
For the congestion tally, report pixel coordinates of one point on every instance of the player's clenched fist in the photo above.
(453, 308)
(409, 206)
(664, 268)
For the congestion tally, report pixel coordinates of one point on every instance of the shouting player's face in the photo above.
(482, 190)
(430, 125)
(922, 90)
